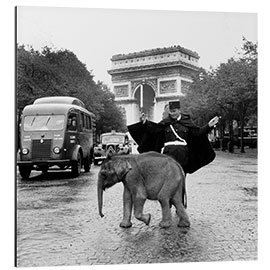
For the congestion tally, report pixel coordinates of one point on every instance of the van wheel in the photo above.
(25, 171)
(77, 166)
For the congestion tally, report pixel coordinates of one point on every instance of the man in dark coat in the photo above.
(176, 136)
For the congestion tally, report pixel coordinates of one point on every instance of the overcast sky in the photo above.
(95, 35)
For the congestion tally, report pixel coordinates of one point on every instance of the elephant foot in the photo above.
(148, 218)
(184, 223)
(125, 224)
(145, 218)
(165, 224)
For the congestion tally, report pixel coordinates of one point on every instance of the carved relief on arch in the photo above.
(134, 85)
(121, 90)
(152, 83)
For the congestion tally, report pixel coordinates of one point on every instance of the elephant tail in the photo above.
(184, 190)
(182, 184)
(184, 193)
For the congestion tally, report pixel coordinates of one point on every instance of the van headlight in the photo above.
(25, 151)
(56, 150)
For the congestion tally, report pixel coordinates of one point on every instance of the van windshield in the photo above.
(43, 122)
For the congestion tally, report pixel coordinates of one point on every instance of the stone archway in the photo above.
(145, 98)
(153, 78)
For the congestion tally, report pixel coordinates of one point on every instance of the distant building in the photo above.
(147, 80)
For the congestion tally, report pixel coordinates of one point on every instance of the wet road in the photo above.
(58, 221)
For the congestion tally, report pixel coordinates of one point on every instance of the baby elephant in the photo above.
(150, 176)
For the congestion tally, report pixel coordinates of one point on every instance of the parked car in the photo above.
(111, 143)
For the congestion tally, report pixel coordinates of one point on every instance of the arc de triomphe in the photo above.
(147, 80)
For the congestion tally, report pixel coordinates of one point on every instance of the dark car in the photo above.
(111, 143)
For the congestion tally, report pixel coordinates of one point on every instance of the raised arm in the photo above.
(205, 129)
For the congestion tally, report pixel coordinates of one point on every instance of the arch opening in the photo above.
(145, 100)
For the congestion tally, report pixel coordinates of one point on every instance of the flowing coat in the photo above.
(150, 136)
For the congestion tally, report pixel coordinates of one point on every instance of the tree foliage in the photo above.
(201, 98)
(229, 91)
(60, 73)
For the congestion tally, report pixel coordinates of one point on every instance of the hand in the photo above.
(213, 121)
(143, 117)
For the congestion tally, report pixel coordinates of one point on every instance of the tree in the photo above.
(61, 73)
(111, 117)
(201, 100)
(230, 91)
(238, 90)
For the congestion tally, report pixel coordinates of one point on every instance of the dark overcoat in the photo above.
(200, 151)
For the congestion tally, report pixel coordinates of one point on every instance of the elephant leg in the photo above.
(164, 198)
(166, 213)
(180, 210)
(127, 209)
(139, 200)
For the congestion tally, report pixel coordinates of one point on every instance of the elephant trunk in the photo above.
(100, 196)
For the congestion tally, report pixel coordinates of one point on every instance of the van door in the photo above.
(71, 138)
(84, 135)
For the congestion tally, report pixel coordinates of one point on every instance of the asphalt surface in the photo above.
(58, 221)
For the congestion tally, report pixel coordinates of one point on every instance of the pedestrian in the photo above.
(176, 136)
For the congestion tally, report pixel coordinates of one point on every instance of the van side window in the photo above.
(82, 120)
(90, 124)
(87, 122)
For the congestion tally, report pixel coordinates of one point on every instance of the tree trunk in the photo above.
(222, 140)
(242, 149)
(231, 140)
(242, 123)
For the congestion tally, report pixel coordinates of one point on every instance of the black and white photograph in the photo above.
(136, 136)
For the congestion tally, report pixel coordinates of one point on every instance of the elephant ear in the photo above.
(122, 167)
